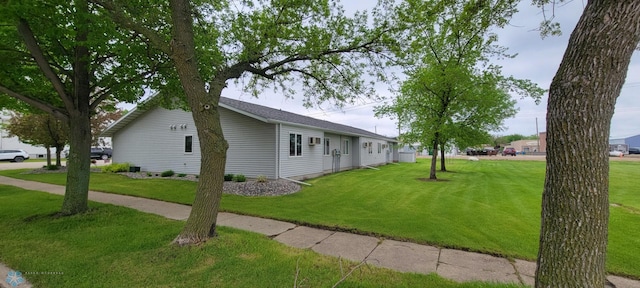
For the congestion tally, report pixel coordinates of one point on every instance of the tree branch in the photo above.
(46, 107)
(32, 44)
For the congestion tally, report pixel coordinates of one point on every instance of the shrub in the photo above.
(228, 177)
(182, 175)
(239, 178)
(116, 167)
(149, 174)
(261, 179)
(51, 167)
(167, 173)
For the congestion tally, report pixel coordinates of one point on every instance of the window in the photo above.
(327, 147)
(345, 149)
(295, 144)
(370, 145)
(188, 143)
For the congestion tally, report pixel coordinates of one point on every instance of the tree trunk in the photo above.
(434, 159)
(48, 156)
(201, 223)
(59, 155)
(443, 168)
(575, 204)
(79, 161)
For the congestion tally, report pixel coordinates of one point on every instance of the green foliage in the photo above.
(116, 168)
(51, 167)
(167, 173)
(182, 175)
(261, 179)
(228, 177)
(239, 178)
(149, 174)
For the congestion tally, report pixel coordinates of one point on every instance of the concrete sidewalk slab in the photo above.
(526, 270)
(621, 282)
(4, 274)
(303, 237)
(405, 257)
(259, 225)
(465, 266)
(349, 246)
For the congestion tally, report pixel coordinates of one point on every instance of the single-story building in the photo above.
(623, 144)
(262, 142)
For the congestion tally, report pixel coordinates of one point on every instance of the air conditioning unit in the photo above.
(365, 144)
(312, 141)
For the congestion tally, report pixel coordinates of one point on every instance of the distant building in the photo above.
(7, 142)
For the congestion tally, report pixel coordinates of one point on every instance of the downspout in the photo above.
(278, 158)
(296, 181)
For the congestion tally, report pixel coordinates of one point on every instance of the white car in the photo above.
(15, 155)
(615, 153)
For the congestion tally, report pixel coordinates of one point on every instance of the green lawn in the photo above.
(486, 206)
(112, 246)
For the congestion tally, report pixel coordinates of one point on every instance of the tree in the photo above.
(582, 96)
(40, 130)
(453, 87)
(105, 116)
(65, 58)
(283, 44)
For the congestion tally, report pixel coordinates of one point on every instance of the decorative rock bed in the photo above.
(249, 188)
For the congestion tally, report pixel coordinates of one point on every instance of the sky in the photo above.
(537, 60)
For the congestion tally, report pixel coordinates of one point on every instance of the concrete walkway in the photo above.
(456, 265)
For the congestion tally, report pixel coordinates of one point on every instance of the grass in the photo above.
(486, 206)
(112, 246)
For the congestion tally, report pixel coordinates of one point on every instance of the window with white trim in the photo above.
(295, 145)
(370, 145)
(188, 143)
(379, 147)
(327, 146)
(345, 148)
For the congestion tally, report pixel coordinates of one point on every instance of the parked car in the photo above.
(15, 155)
(509, 151)
(101, 153)
(634, 150)
(615, 153)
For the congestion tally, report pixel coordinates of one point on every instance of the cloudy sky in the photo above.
(537, 60)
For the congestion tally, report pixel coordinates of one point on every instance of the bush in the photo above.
(149, 174)
(239, 178)
(228, 177)
(167, 173)
(51, 167)
(261, 179)
(115, 168)
(182, 175)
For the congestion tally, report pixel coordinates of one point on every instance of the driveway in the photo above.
(34, 165)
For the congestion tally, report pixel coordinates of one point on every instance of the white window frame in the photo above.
(327, 146)
(370, 149)
(345, 149)
(379, 147)
(297, 144)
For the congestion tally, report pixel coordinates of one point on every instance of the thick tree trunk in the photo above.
(59, 155)
(79, 161)
(48, 156)
(201, 223)
(575, 205)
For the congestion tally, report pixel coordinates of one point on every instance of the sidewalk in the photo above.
(456, 265)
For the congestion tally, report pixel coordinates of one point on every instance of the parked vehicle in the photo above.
(101, 153)
(634, 150)
(509, 151)
(615, 153)
(15, 155)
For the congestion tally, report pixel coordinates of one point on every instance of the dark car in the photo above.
(509, 151)
(100, 153)
(634, 150)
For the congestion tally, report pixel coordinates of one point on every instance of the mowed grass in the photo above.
(488, 206)
(112, 246)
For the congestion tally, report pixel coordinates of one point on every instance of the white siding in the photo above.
(310, 163)
(336, 143)
(375, 158)
(252, 143)
(150, 143)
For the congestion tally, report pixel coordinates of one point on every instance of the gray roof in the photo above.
(265, 114)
